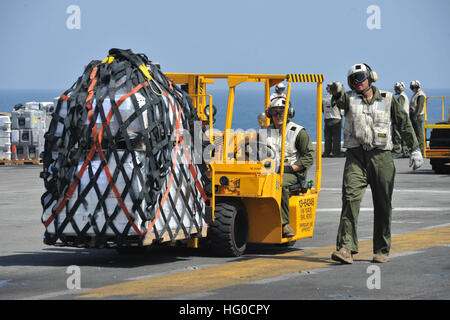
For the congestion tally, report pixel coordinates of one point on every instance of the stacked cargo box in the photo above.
(48, 108)
(5, 136)
(27, 131)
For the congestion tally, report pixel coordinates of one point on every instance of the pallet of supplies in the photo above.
(115, 167)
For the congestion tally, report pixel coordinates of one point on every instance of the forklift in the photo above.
(438, 147)
(245, 196)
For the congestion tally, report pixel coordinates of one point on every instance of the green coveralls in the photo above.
(375, 168)
(417, 121)
(304, 146)
(332, 132)
(398, 144)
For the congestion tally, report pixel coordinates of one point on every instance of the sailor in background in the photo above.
(262, 120)
(369, 114)
(279, 91)
(417, 110)
(333, 127)
(400, 149)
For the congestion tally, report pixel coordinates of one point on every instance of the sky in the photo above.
(45, 44)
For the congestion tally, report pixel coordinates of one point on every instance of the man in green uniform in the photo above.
(298, 154)
(400, 149)
(333, 127)
(417, 110)
(369, 113)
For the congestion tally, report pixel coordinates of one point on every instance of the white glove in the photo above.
(416, 159)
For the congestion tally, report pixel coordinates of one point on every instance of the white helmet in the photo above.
(280, 86)
(415, 84)
(400, 86)
(360, 72)
(280, 102)
(262, 119)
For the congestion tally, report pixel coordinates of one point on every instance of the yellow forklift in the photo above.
(245, 196)
(438, 147)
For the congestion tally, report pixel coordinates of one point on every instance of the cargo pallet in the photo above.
(15, 162)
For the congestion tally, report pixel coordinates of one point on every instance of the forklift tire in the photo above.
(228, 234)
(439, 165)
(440, 139)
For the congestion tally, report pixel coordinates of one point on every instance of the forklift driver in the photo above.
(298, 154)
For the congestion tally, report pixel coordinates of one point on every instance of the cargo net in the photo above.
(116, 168)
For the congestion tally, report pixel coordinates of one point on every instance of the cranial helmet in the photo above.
(280, 102)
(280, 86)
(360, 72)
(414, 84)
(400, 86)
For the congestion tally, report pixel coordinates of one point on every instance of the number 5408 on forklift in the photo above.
(246, 191)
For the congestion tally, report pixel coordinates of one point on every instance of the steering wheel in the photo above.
(257, 151)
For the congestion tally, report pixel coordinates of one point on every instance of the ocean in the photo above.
(248, 104)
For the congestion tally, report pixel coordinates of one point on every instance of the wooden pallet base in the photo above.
(16, 162)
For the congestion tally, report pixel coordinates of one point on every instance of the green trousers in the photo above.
(289, 179)
(375, 168)
(418, 129)
(399, 145)
(332, 132)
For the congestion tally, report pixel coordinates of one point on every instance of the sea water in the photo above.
(248, 104)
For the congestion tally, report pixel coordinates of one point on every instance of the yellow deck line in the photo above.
(241, 272)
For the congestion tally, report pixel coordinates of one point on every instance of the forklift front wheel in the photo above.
(229, 231)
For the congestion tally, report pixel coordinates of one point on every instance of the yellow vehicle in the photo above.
(246, 195)
(438, 147)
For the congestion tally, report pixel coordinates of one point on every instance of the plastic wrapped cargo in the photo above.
(5, 148)
(5, 127)
(115, 167)
(28, 143)
(28, 119)
(5, 137)
(47, 106)
(32, 105)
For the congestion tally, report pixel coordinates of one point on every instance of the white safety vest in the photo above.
(369, 125)
(413, 105)
(291, 153)
(329, 111)
(406, 103)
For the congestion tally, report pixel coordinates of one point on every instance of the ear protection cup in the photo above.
(291, 112)
(373, 77)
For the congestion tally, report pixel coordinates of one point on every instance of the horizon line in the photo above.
(243, 88)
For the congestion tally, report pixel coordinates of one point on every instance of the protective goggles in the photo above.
(276, 112)
(358, 77)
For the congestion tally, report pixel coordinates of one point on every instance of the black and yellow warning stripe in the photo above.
(302, 77)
